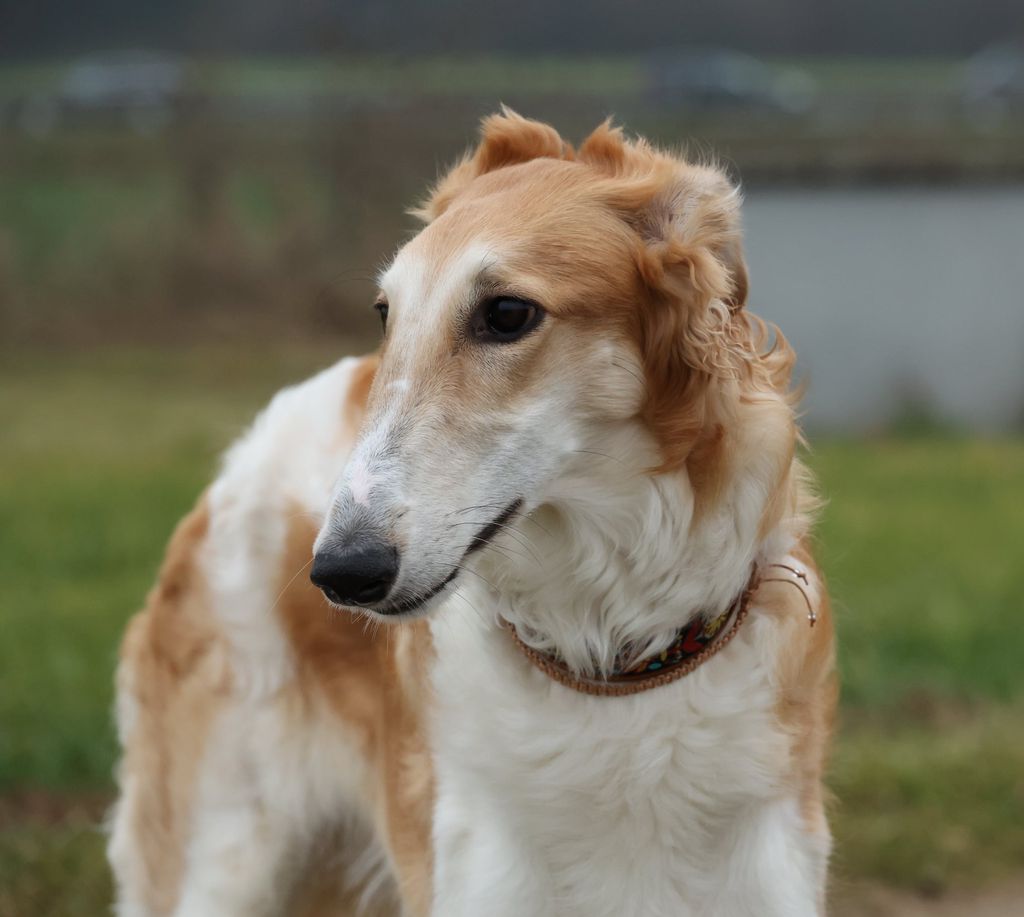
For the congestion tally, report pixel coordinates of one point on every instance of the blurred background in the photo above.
(194, 198)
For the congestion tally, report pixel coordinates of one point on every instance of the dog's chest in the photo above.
(605, 801)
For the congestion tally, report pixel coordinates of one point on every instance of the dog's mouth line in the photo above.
(480, 541)
(487, 533)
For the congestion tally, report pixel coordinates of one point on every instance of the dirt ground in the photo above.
(870, 901)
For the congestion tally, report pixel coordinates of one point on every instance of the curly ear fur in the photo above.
(691, 327)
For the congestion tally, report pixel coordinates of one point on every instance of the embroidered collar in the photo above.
(693, 644)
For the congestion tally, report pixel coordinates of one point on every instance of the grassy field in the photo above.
(101, 452)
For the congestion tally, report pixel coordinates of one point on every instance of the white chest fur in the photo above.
(671, 802)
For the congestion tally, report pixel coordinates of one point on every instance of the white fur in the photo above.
(361, 482)
(277, 775)
(275, 779)
(287, 463)
(677, 801)
(549, 802)
(674, 802)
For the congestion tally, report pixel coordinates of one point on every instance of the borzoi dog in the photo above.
(565, 650)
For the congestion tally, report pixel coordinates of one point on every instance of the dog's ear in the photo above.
(506, 139)
(682, 211)
(690, 260)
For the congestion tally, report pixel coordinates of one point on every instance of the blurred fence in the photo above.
(884, 211)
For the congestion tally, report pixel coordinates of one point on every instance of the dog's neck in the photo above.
(618, 559)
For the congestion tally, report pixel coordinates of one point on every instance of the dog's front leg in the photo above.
(194, 833)
(479, 868)
(239, 864)
(778, 865)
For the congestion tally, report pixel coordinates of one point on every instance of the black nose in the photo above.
(360, 573)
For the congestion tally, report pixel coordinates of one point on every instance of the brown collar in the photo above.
(693, 645)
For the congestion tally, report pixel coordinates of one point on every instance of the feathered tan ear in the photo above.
(690, 259)
(506, 139)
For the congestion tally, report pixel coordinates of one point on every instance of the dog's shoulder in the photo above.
(224, 557)
(300, 441)
(806, 681)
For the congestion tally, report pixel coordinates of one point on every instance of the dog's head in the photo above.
(556, 301)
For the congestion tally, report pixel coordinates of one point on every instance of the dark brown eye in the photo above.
(382, 311)
(505, 319)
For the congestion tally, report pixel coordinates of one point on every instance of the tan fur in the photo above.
(355, 403)
(174, 672)
(174, 669)
(374, 680)
(808, 688)
(656, 250)
(618, 233)
(656, 253)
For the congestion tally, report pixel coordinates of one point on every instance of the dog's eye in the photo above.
(504, 319)
(382, 311)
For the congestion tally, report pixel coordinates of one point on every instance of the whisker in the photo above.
(601, 454)
(506, 552)
(518, 554)
(466, 509)
(287, 585)
(630, 370)
(503, 551)
(462, 569)
(521, 538)
(472, 607)
(526, 517)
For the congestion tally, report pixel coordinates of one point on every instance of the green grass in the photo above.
(101, 453)
(918, 538)
(98, 458)
(932, 804)
(58, 215)
(53, 869)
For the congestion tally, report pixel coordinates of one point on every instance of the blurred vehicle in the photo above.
(993, 80)
(139, 88)
(711, 78)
